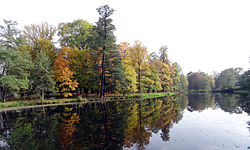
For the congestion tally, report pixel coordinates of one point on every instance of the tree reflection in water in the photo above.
(109, 125)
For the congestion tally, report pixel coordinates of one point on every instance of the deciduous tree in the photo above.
(78, 33)
(15, 62)
(63, 74)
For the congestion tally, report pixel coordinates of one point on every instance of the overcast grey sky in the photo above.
(205, 35)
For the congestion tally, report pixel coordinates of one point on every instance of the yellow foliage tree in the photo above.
(129, 70)
(63, 74)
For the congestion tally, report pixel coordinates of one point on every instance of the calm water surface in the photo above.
(193, 122)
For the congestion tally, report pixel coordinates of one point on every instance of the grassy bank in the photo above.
(25, 103)
(39, 102)
(150, 95)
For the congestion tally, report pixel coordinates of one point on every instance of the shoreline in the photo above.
(17, 105)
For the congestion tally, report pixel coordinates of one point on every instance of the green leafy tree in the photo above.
(15, 62)
(198, 81)
(81, 63)
(153, 56)
(183, 83)
(228, 79)
(42, 75)
(78, 33)
(245, 80)
(40, 38)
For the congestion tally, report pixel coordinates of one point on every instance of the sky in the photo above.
(201, 35)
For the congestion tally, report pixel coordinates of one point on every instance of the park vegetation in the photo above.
(228, 80)
(88, 61)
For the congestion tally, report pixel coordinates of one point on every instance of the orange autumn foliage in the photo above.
(64, 75)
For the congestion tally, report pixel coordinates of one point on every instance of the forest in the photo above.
(85, 60)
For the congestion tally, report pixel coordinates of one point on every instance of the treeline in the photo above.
(200, 81)
(228, 80)
(88, 61)
(233, 78)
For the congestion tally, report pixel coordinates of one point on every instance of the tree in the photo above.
(245, 80)
(174, 73)
(228, 79)
(35, 32)
(82, 64)
(128, 68)
(130, 79)
(155, 84)
(40, 38)
(163, 54)
(63, 74)
(183, 83)
(42, 75)
(78, 33)
(198, 81)
(106, 38)
(114, 80)
(164, 75)
(15, 62)
(211, 81)
(139, 55)
(153, 57)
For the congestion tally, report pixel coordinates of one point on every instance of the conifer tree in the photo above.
(42, 75)
(106, 39)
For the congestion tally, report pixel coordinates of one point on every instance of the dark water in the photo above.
(194, 122)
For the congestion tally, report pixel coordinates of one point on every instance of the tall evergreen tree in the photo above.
(106, 38)
(114, 74)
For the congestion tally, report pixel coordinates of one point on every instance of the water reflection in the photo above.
(199, 102)
(111, 125)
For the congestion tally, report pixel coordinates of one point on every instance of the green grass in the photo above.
(149, 95)
(17, 104)
(37, 102)
(2, 105)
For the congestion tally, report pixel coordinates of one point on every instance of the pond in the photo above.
(194, 122)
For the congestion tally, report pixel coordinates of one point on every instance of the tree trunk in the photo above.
(86, 91)
(139, 80)
(3, 88)
(102, 95)
(42, 96)
(103, 74)
(3, 94)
